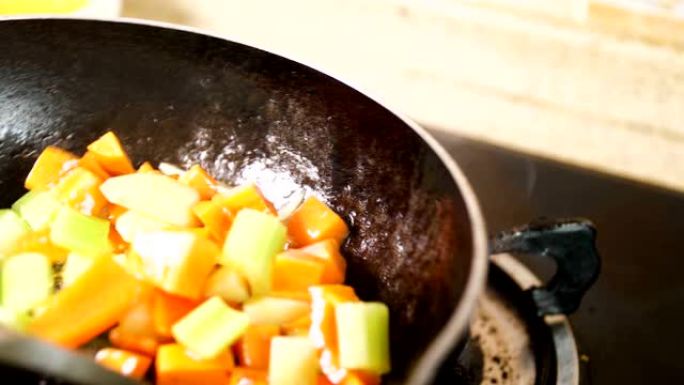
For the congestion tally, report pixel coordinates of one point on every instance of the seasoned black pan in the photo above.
(418, 241)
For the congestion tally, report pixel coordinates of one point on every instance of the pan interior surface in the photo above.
(248, 115)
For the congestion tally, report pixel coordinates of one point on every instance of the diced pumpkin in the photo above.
(37, 208)
(146, 167)
(363, 336)
(313, 221)
(215, 218)
(174, 366)
(178, 262)
(126, 363)
(114, 212)
(295, 270)
(91, 305)
(274, 311)
(80, 233)
(356, 377)
(244, 197)
(169, 309)
(210, 328)
(12, 230)
(80, 189)
(247, 376)
(51, 164)
(200, 180)
(155, 195)
(254, 347)
(228, 284)
(252, 243)
(323, 380)
(329, 252)
(89, 161)
(111, 155)
(131, 223)
(298, 327)
(136, 329)
(292, 362)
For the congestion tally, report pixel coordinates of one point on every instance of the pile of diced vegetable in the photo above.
(204, 281)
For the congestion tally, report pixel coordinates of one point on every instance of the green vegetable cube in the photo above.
(252, 243)
(210, 329)
(27, 280)
(80, 233)
(363, 335)
(292, 361)
(12, 228)
(37, 208)
(14, 320)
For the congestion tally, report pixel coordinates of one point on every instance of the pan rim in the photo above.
(426, 366)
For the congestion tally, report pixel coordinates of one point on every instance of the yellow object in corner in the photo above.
(16, 7)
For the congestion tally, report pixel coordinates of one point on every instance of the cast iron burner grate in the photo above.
(509, 344)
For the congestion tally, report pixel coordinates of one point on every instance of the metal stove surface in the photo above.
(629, 327)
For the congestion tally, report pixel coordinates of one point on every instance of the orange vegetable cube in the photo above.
(129, 364)
(300, 326)
(175, 367)
(323, 380)
(49, 167)
(254, 348)
(136, 330)
(167, 310)
(200, 180)
(323, 331)
(246, 376)
(313, 221)
(146, 167)
(111, 155)
(144, 344)
(294, 270)
(335, 264)
(93, 303)
(80, 189)
(247, 196)
(89, 162)
(215, 218)
(356, 377)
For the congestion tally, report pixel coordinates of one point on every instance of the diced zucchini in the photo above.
(210, 329)
(292, 362)
(27, 280)
(13, 320)
(37, 208)
(274, 310)
(363, 336)
(80, 233)
(252, 243)
(12, 228)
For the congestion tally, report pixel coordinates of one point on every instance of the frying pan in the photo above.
(418, 241)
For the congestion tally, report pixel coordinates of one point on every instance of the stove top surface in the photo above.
(628, 329)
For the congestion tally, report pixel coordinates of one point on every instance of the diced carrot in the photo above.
(111, 155)
(118, 243)
(136, 330)
(146, 167)
(247, 196)
(215, 218)
(246, 376)
(294, 271)
(254, 347)
(313, 221)
(52, 163)
(323, 380)
(175, 367)
(300, 326)
(168, 309)
(335, 264)
(127, 363)
(114, 212)
(144, 344)
(355, 377)
(200, 180)
(93, 303)
(323, 331)
(80, 189)
(89, 162)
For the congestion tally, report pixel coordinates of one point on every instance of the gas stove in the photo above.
(627, 330)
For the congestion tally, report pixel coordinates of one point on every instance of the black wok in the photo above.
(418, 241)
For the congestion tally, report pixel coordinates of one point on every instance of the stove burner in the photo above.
(509, 344)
